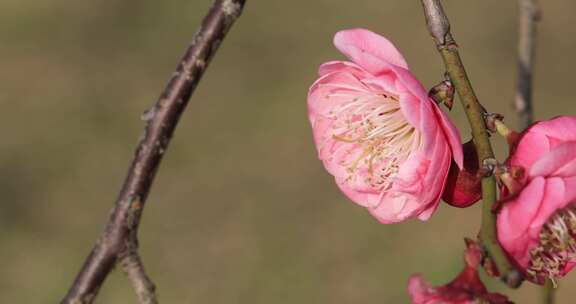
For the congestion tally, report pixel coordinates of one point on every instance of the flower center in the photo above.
(379, 136)
(557, 246)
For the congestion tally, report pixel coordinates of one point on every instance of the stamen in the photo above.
(557, 246)
(374, 123)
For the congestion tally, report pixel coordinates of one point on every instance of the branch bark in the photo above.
(439, 27)
(118, 242)
(529, 15)
(143, 287)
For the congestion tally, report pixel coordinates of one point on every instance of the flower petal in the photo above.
(552, 201)
(407, 82)
(340, 66)
(560, 128)
(452, 135)
(531, 146)
(331, 90)
(410, 107)
(362, 198)
(394, 208)
(560, 161)
(363, 47)
(515, 218)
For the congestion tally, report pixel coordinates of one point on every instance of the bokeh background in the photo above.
(242, 211)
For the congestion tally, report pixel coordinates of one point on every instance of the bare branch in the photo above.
(437, 22)
(119, 238)
(439, 28)
(529, 15)
(143, 286)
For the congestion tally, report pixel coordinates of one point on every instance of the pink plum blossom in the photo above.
(537, 225)
(386, 143)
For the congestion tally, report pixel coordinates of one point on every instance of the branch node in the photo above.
(438, 23)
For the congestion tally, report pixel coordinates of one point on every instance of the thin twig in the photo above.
(439, 28)
(143, 286)
(529, 15)
(119, 239)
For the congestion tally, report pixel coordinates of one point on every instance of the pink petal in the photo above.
(437, 173)
(410, 107)
(570, 188)
(552, 201)
(383, 82)
(561, 128)
(412, 173)
(407, 82)
(515, 218)
(427, 213)
(530, 148)
(394, 208)
(364, 199)
(340, 66)
(452, 135)
(430, 129)
(408, 197)
(321, 97)
(363, 47)
(569, 266)
(542, 137)
(561, 161)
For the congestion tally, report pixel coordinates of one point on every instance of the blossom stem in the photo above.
(548, 292)
(439, 28)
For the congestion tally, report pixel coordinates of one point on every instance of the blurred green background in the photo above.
(241, 211)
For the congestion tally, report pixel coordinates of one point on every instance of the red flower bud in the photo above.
(466, 288)
(463, 187)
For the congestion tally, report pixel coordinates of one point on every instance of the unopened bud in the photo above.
(463, 187)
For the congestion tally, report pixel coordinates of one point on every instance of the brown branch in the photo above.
(439, 27)
(143, 286)
(529, 15)
(119, 239)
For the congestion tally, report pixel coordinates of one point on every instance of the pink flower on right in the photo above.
(537, 226)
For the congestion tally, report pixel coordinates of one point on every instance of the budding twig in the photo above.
(529, 14)
(439, 28)
(119, 241)
(443, 93)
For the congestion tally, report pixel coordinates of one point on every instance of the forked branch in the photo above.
(119, 241)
